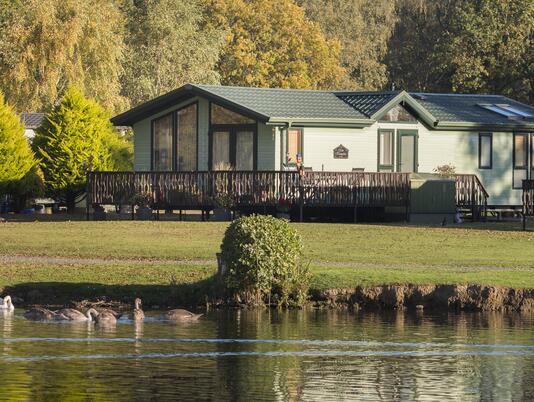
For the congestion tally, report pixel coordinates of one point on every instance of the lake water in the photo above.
(261, 355)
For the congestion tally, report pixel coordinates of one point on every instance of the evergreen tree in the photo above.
(16, 156)
(76, 135)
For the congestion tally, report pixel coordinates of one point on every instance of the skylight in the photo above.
(506, 110)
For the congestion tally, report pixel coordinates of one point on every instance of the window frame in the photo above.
(380, 167)
(525, 167)
(233, 129)
(174, 131)
(152, 140)
(301, 131)
(480, 136)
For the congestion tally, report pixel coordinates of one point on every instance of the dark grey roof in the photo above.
(331, 107)
(287, 103)
(367, 103)
(32, 120)
(466, 107)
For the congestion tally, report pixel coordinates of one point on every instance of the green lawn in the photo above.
(154, 254)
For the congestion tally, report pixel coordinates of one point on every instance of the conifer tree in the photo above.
(76, 135)
(16, 156)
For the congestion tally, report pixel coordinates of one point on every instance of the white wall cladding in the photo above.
(459, 148)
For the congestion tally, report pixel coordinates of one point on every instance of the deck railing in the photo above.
(471, 194)
(188, 190)
(201, 190)
(528, 200)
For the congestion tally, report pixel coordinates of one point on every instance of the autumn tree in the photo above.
(75, 136)
(271, 43)
(47, 45)
(364, 28)
(168, 44)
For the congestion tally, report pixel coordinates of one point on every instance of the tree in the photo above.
(364, 28)
(48, 45)
(76, 135)
(168, 44)
(415, 57)
(16, 156)
(491, 48)
(271, 43)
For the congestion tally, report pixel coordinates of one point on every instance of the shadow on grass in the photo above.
(67, 293)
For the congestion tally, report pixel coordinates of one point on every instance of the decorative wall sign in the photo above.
(341, 152)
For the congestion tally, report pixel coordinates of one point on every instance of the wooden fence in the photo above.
(471, 194)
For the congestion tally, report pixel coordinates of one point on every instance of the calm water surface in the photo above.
(251, 355)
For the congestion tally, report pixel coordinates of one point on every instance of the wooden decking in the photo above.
(201, 190)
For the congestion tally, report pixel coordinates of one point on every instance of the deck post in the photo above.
(301, 200)
(88, 196)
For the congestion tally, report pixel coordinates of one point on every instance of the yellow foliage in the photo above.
(270, 43)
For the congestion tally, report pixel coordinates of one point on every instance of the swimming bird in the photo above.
(41, 314)
(181, 315)
(137, 314)
(105, 317)
(6, 304)
(70, 314)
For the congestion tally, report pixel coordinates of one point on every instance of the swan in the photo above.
(6, 304)
(70, 314)
(105, 317)
(137, 314)
(41, 314)
(181, 315)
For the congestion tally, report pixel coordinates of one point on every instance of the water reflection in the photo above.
(266, 355)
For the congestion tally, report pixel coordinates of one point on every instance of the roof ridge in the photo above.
(457, 94)
(263, 88)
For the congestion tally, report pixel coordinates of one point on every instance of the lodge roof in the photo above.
(315, 107)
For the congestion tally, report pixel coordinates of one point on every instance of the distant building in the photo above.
(31, 122)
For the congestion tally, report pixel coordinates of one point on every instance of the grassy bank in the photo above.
(178, 258)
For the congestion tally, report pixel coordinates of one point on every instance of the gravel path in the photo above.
(71, 260)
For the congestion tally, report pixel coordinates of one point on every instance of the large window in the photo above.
(174, 140)
(520, 159)
(221, 115)
(162, 157)
(186, 132)
(232, 140)
(485, 151)
(385, 150)
(294, 145)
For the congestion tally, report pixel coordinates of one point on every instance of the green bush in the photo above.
(263, 256)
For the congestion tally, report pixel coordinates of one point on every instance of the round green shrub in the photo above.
(263, 257)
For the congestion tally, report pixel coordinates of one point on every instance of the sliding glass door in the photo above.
(233, 148)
